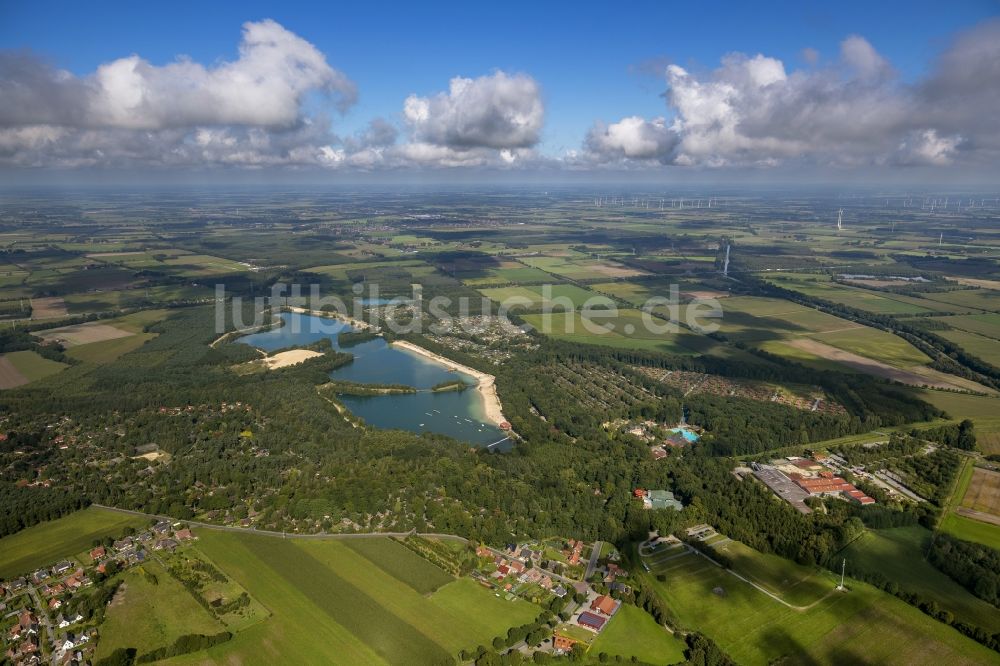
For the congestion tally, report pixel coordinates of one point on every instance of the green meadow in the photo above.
(897, 554)
(634, 632)
(860, 625)
(68, 536)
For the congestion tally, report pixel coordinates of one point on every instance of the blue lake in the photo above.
(458, 414)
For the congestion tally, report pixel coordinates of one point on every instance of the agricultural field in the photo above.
(70, 535)
(987, 325)
(983, 494)
(556, 297)
(151, 610)
(822, 286)
(980, 299)
(582, 267)
(897, 554)
(861, 625)
(23, 367)
(107, 300)
(626, 330)
(633, 632)
(364, 614)
(482, 271)
(402, 563)
(988, 349)
(959, 521)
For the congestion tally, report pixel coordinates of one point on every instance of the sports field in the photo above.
(897, 554)
(634, 632)
(862, 625)
(151, 610)
(68, 536)
(364, 614)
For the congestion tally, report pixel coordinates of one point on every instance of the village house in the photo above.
(98, 553)
(591, 621)
(604, 605)
(62, 567)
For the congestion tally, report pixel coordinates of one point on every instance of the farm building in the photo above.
(591, 621)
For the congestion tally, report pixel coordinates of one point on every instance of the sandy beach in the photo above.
(486, 387)
(290, 357)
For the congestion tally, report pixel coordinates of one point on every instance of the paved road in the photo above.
(595, 553)
(283, 535)
(43, 617)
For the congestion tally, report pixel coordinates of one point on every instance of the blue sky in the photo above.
(592, 63)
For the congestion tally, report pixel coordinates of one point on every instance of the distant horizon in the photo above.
(893, 93)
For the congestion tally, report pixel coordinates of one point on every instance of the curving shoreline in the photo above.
(486, 382)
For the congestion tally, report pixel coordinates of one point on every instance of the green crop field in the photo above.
(985, 348)
(633, 632)
(402, 563)
(108, 350)
(962, 406)
(982, 299)
(627, 331)
(897, 554)
(879, 345)
(821, 286)
(983, 324)
(145, 615)
(33, 366)
(364, 614)
(68, 536)
(971, 530)
(862, 625)
(556, 296)
(102, 301)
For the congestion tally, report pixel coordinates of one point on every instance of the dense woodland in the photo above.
(270, 444)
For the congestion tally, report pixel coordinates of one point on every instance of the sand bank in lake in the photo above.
(290, 357)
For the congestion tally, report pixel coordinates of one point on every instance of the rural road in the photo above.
(283, 535)
(43, 616)
(595, 553)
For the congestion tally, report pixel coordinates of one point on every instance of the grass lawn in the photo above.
(897, 554)
(147, 616)
(862, 625)
(70, 535)
(798, 585)
(402, 563)
(634, 632)
(33, 366)
(330, 604)
(971, 530)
